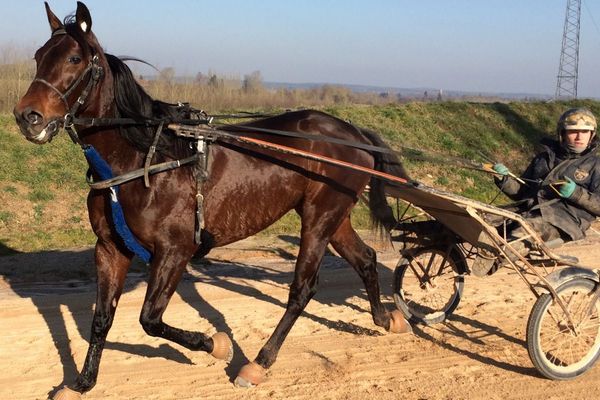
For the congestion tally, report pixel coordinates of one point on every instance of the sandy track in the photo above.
(333, 352)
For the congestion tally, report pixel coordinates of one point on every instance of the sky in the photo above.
(485, 46)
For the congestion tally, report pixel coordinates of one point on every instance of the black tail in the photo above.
(381, 212)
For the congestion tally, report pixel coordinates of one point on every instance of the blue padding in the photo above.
(102, 168)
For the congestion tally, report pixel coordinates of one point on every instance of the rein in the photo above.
(188, 128)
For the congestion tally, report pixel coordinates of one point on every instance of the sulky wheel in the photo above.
(428, 283)
(561, 349)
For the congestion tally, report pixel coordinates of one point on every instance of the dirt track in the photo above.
(333, 352)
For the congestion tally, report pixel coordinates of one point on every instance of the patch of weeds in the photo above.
(442, 180)
(10, 189)
(72, 237)
(38, 212)
(40, 195)
(289, 223)
(75, 219)
(6, 217)
(42, 240)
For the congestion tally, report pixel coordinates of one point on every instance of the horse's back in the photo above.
(250, 188)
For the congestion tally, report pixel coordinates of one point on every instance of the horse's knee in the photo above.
(367, 269)
(301, 295)
(101, 324)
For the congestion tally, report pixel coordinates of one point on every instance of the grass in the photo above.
(36, 181)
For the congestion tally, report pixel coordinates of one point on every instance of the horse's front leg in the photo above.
(112, 266)
(167, 268)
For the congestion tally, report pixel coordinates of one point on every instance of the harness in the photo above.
(94, 73)
(203, 137)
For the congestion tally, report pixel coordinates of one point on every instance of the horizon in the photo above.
(497, 47)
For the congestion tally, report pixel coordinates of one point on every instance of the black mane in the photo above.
(132, 101)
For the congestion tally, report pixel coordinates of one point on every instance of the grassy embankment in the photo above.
(43, 190)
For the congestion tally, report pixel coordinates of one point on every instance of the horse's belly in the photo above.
(242, 207)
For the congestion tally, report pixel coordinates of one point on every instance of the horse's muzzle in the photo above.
(34, 126)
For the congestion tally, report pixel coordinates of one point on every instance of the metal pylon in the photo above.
(566, 85)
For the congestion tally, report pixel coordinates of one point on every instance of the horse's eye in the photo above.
(74, 59)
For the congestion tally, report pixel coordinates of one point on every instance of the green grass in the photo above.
(34, 176)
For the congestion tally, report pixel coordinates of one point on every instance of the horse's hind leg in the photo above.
(302, 289)
(364, 261)
(166, 271)
(317, 228)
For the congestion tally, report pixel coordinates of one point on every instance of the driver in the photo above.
(560, 196)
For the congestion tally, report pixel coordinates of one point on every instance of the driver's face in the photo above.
(578, 138)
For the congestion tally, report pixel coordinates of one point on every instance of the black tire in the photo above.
(553, 348)
(429, 302)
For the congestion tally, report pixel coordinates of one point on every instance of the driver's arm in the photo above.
(588, 200)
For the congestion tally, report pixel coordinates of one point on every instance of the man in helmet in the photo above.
(561, 189)
(559, 193)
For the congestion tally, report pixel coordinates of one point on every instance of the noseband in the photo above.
(95, 72)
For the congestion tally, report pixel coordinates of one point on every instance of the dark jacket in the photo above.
(572, 216)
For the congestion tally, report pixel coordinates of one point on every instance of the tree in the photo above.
(167, 75)
(252, 83)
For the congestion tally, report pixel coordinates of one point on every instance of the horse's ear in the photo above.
(83, 19)
(55, 23)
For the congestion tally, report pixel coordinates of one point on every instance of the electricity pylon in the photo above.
(566, 85)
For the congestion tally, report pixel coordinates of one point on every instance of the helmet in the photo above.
(576, 119)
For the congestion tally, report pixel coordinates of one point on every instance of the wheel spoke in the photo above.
(563, 346)
(429, 283)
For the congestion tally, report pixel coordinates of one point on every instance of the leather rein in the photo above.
(202, 136)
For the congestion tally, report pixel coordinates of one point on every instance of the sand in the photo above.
(334, 351)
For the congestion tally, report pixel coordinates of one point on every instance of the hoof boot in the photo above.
(67, 394)
(222, 347)
(250, 375)
(399, 324)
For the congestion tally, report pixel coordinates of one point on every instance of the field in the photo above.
(47, 285)
(43, 189)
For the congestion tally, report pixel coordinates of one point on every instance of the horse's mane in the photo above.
(133, 102)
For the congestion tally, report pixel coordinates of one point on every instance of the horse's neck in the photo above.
(112, 146)
(115, 150)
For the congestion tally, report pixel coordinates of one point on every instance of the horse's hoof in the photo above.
(399, 324)
(67, 394)
(222, 347)
(250, 375)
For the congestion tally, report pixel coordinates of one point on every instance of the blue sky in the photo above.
(481, 46)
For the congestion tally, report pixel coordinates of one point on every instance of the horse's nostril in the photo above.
(33, 117)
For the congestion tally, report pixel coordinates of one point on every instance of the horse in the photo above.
(245, 190)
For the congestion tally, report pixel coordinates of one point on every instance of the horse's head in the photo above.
(70, 74)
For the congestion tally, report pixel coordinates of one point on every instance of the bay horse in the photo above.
(246, 190)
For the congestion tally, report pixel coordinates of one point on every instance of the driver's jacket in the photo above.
(572, 216)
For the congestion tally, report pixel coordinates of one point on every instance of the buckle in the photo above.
(68, 121)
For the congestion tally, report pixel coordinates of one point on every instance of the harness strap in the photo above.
(135, 174)
(319, 138)
(106, 122)
(150, 154)
(51, 86)
(201, 173)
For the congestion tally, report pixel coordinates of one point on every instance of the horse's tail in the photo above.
(381, 213)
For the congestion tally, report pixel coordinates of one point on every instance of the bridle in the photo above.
(95, 72)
